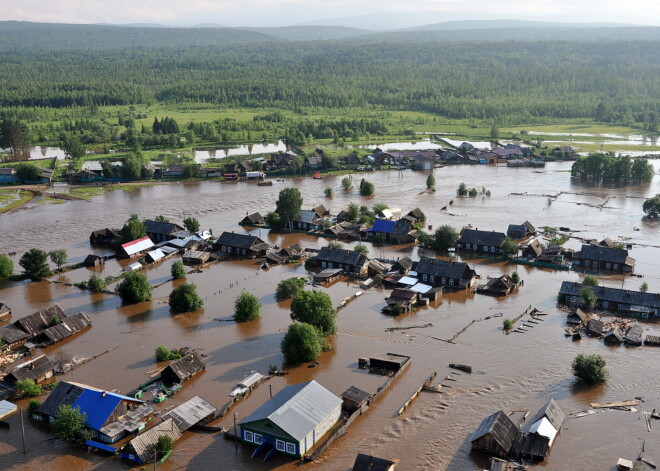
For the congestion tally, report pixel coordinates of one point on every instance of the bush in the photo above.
(287, 289)
(588, 297)
(28, 388)
(363, 249)
(6, 266)
(328, 192)
(590, 368)
(397, 310)
(163, 353)
(509, 246)
(178, 271)
(33, 405)
(590, 281)
(96, 284)
(473, 193)
(247, 307)
(273, 220)
(515, 277)
(314, 308)
(644, 287)
(164, 445)
(462, 190)
(135, 288)
(651, 206)
(367, 188)
(445, 238)
(430, 181)
(185, 298)
(346, 183)
(54, 321)
(301, 343)
(69, 424)
(35, 264)
(507, 324)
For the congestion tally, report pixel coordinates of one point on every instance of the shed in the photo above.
(403, 265)
(142, 449)
(13, 337)
(195, 257)
(595, 327)
(353, 398)
(36, 323)
(252, 219)
(576, 316)
(93, 260)
(136, 247)
(190, 413)
(614, 336)
(69, 326)
(390, 361)
(533, 250)
(5, 311)
(495, 435)
(183, 369)
(402, 297)
(38, 370)
(635, 334)
(6, 391)
(536, 439)
(372, 463)
(500, 286)
(154, 255)
(246, 384)
(7, 409)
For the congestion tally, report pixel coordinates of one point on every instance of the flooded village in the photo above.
(422, 372)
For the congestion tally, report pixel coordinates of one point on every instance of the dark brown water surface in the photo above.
(512, 372)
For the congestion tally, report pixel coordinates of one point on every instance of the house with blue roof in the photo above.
(110, 416)
(400, 231)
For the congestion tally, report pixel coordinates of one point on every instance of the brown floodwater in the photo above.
(511, 372)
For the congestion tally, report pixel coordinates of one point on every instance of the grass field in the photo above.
(10, 199)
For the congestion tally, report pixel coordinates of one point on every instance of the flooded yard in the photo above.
(510, 371)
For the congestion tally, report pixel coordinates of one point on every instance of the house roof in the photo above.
(313, 160)
(475, 236)
(405, 263)
(4, 308)
(614, 336)
(136, 246)
(243, 241)
(144, 444)
(161, 228)
(403, 294)
(372, 463)
(190, 413)
(577, 315)
(614, 295)
(39, 321)
(33, 369)
(517, 231)
(536, 247)
(11, 334)
(509, 151)
(69, 326)
(8, 171)
(444, 269)
(297, 409)
(156, 254)
(604, 254)
(552, 412)
(635, 333)
(356, 395)
(309, 217)
(500, 427)
(383, 226)
(343, 256)
(255, 218)
(184, 368)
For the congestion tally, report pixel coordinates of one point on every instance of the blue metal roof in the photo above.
(383, 225)
(99, 406)
(101, 446)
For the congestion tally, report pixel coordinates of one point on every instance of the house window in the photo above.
(248, 436)
(224, 249)
(608, 265)
(492, 249)
(291, 448)
(467, 246)
(595, 264)
(621, 307)
(587, 263)
(257, 439)
(279, 445)
(451, 281)
(331, 265)
(424, 277)
(606, 304)
(485, 248)
(432, 279)
(444, 281)
(324, 265)
(616, 266)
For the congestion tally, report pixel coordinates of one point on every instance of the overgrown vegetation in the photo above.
(178, 271)
(163, 353)
(592, 369)
(134, 288)
(35, 264)
(70, 424)
(28, 388)
(6, 266)
(289, 288)
(301, 343)
(314, 308)
(507, 324)
(247, 307)
(185, 298)
(96, 284)
(607, 167)
(651, 206)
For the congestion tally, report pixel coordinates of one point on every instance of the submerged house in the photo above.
(576, 316)
(535, 440)
(495, 435)
(105, 236)
(372, 463)
(607, 258)
(69, 326)
(242, 245)
(443, 273)
(110, 416)
(400, 231)
(403, 298)
(161, 231)
(183, 369)
(293, 420)
(252, 219)
(143, 448)
(634, 335)
(351, 261)
(191, 412)
(533, 250)
(622, 301)
(136, 248)
(308, 221)
(12, 337)
(38, 370)
(36, 323)
(480, 241)
(521, 231)
(499, 286)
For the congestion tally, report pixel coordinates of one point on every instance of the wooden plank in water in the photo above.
(425, 384)
(606, 405)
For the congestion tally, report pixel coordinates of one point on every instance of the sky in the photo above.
(288, 12)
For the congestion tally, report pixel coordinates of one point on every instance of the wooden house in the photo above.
(595, 327)
(446, 274)
(242, 245)
(400, 231)
(36, 323)
(192, 412)
(533, 250)
(563, 151)
(614, 336)
(403, 298)
(8, 176)
(372, 463)
(499, 286)
(415, 216)
(308, 221)
(12, 337)
(293, 420)
(521, 231)
(182, 369)
(354, 398)
(604, 258)
(143, 448)
(351, 261)
(136, 248)
(195, 257)
(487, 242)
(495, 435)
(389, 361)
(576, 317)
(634, 335)
(252, 219)
(38, 370)
(93, 260)
(69, 326)
(161, 231)
(403, 265)
(105, 236)
(535, 440)
(313, 162)
(5, 312)
(622, 301)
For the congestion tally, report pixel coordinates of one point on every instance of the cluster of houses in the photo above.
(612, 330)
(622, 301)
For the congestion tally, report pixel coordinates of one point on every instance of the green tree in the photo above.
(509, 247)
(473, 192)
(28, 388)
(590, 281)
(301, 343)
(314, 308)
(288, 205)
(445, 237)
(161, 218)
(462, 190)
(14, 135)
(644, 287)
(96, 284)
(651, 206)
(178, 270)
(162, 353)
(59, 257)
(132, 167)
(247, 307)
(191, 171)
(346, 183)
(35, 264)
(27, 173)
(328, 192)
(164, 445)
(515, 277)
(507, 324)
(134, 288)
(333, 244)
(642, 171)
(592, 369)
(273, 220)
(494, 132)
(73, 147)
(70, 424)
(289, 288)
(191, 225)
(363, 249)
(430, 181)
(6, 266)
(367, 188)
(353, 212)
(185, 298)
(588, 297)
(134, 229)
(33, 405)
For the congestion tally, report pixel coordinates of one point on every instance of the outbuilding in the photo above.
(495, 435)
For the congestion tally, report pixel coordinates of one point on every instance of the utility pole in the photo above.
(22, 430)
(270, 388)
(235, 434)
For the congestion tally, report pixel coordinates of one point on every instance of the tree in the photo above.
(191, 171)
(96, 284)
(28, 388)
(367, 188)
(509, 247)
(73, 147)
(590, 281)
(590, 368)
(134, 288)
(288, 205)
(515, 277)
(363, 249)
(328, 192)
(430, 181)
(494, 132)
(333, 244)
(641, 171)
(289, 288)
(462, 190)
(132, 167)
(33, 405)
(178, 270)
(507, 324)
(445, 237)
(14, 135)
(273, 220)
(644, 287)
(163, 353)
(651, 206)
(314, 308)
(346, 183)
(301, 343)
(58, 257)
(473, 192)
(164, 445)
(185, 298)
(35, 265)
(70, 424)
(588, 297)
(27, 173)
(353, 212)
(247, 307)
(191, 225)
(6, 266)
(134, 229)
(161, 218)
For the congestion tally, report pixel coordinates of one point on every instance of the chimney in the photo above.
(371, 461)
(103, 394)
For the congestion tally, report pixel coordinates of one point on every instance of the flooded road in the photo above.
(511, 372)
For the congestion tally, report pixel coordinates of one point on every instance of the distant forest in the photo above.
(508, 79)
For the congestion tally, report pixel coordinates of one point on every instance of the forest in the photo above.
(508, 81)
